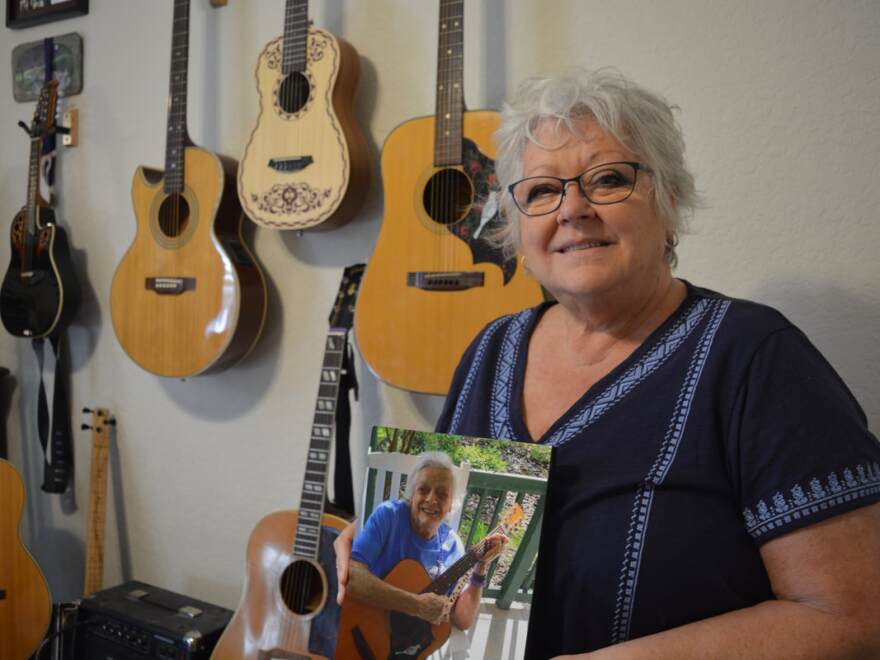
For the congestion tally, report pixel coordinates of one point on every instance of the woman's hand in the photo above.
(342, 547)
(433, 608)
(495, 545)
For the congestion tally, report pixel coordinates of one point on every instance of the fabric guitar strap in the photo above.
(56, 441)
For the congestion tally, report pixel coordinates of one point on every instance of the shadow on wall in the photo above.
(843, 326)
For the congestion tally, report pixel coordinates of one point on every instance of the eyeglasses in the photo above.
(608, 183)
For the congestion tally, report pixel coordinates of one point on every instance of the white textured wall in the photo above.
(780, 104)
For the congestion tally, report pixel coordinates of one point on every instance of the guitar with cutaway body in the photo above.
(188, 296)
(39, 295)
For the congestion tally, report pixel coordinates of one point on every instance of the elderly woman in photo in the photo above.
(714, 486)
(415, 528)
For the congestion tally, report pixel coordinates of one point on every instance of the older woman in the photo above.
(415, 528)
(714, 485)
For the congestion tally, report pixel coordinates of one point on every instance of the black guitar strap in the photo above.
(57, 445)
(343, 488)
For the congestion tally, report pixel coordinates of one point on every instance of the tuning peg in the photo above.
(87, 410)
(85, 427)
(111, 421)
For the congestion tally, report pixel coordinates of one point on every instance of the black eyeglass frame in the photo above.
(577, 179)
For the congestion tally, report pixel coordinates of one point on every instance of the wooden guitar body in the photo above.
(41, 298)
(188, 296)
(264, 625)
(388, 633)
(306, 163)
(25, 604)
(413, 337)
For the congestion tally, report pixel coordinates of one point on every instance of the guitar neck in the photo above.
(97, 504)
(308, 526)
(296, 32)
(450, 81)
(31, 208)
(175, 140)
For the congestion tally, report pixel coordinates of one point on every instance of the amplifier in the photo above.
(137, 621)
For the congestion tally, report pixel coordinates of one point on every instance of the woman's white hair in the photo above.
(431, 459)
(639, 119)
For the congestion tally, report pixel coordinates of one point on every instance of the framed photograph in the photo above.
(25, 13)
(29, 67)
(455, 516)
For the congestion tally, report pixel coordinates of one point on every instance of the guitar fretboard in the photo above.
(175, 139)
(311, 508)
(450, 80)
(296, 32)
(97, 513)
(30, 228)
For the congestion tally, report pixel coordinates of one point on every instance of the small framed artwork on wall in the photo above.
(25, 13)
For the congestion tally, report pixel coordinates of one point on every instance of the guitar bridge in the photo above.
(170, 285)
(444, 281)
(294, 164)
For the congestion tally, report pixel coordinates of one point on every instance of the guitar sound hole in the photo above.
(173, 215)
(294, 93)
(448, 196)
(302, 587)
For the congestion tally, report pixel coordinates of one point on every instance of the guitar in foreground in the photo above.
(433, 281)
(39, 295)
(25, 604)
(288, 608)
(188, 296)
(306, 164)
(366, 630)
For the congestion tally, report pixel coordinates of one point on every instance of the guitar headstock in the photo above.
(44, 112)
(342, 315)
(511, 519)
(100, 420)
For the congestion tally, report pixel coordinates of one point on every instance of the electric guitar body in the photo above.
(25, 604)
(276, 618)
(188, 296)
(411, 328)
(306, 164)
(37, 301)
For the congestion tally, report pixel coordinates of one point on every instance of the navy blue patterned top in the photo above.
(725, 429)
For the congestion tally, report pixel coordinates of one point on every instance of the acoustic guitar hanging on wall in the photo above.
(306, 164)
(434, 281)
(188, 296)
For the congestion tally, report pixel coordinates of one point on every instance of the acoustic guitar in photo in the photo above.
(306, 164)
(433, 281)
(25, 604)
(368, 631)
(288, 608)
(188, 296)
(39, 295)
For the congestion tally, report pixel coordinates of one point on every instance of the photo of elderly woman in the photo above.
(421, 564)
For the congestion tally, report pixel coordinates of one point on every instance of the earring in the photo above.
(522, 261)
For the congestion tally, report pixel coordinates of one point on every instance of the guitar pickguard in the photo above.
(325, 626)
(473, 227)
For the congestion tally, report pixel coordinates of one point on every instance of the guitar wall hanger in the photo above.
(64, 130)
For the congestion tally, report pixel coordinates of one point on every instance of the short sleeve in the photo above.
(799, 448)
(371, 540)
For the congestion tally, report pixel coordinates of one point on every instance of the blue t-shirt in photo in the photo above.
(388, 538)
